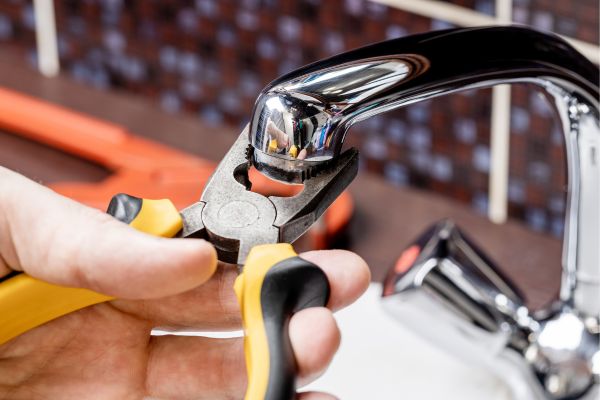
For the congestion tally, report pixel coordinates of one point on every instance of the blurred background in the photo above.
(210, 58)
(186, 74)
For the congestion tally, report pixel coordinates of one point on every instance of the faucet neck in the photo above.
(580, 284)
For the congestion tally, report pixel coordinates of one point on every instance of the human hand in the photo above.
(282, 138)
(105, 351)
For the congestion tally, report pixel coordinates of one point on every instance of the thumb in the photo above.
(61, 241)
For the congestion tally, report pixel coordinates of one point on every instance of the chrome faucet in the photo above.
(450, 292)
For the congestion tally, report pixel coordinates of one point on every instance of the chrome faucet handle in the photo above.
(447, 290)
(459, 289)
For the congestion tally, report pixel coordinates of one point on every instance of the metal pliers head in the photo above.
(235, 219)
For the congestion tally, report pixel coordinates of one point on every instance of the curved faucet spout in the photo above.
(300, 121)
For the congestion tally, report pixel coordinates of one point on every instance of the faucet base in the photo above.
(447, 290)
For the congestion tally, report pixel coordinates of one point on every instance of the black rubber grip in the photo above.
(290, 286)
(124, 207)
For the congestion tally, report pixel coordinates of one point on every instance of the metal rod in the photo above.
(500, 137)
(499, 160)
(45, 32)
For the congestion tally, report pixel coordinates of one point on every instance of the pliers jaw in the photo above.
(297, 213)
(235, 219)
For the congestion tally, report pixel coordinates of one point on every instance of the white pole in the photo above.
(500, 136)
(499, 154)
(45, 32)
(462, 16)
(435, 9)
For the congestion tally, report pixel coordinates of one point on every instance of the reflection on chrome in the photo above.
(297, 119)
(462, 302)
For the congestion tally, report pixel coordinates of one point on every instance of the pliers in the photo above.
(247, 229)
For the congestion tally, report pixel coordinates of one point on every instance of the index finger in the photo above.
(58, 240)
(214, 306)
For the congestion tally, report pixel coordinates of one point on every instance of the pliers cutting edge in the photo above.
(247, 229)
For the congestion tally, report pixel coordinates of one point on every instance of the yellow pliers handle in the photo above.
(27, 302)
(275, 284)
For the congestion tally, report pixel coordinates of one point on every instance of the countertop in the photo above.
(380, 358)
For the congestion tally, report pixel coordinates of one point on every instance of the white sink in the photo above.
(381, 359)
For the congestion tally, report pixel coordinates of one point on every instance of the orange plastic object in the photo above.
(139, 166)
